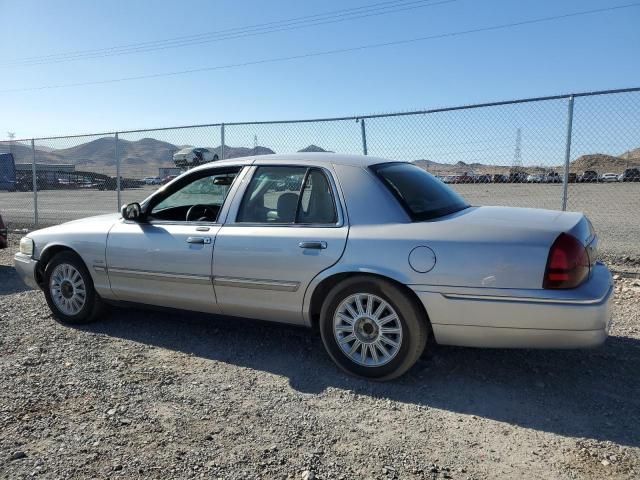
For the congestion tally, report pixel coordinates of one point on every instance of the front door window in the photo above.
(198, 201)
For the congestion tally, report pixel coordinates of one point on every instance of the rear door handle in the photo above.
(200, 240)
(316, 245)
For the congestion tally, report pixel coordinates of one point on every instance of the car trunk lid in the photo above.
(499, 247)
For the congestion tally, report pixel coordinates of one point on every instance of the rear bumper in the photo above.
(26, 268)
(510, 318)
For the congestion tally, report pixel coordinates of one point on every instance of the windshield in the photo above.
(419, 192)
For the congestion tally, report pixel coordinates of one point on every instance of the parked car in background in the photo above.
(87, 183)
(7, 172)
(553, 177)
(631, 175)
(572, 177)
(465, 275)
(167, 179)
(518, 177)
(589, 176)
(609, 177)
(192, 157)
(3, 234)
(449, 178)
(152, 180)
(24, 183)
(485, 178)
(465, 177)
(535, 178)
(499, 178)
(112, 183)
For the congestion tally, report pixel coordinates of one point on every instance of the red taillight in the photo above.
(567, 265)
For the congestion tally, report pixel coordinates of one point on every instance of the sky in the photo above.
(591, 52)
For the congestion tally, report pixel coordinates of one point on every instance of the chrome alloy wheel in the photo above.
(367, 329)
(67, 288)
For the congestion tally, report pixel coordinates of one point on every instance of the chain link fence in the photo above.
(575, 152)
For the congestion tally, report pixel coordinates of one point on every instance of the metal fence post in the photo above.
(364, 136)
(567, 154)
(34, 180)
(118, 186)
(222, 142)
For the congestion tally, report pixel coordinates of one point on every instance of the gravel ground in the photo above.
(147, 394)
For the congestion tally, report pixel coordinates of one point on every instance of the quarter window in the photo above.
(288, 195)
(421, 194)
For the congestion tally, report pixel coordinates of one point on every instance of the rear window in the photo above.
(423, 196)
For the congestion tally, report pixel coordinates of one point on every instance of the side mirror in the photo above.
(132, 211)
(225, 181)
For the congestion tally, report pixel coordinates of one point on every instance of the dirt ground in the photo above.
(147, 394)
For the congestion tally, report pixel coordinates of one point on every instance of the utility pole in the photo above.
(517, 157)
(515, 174)
(11, 136)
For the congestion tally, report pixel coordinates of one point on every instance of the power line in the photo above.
(332, 52)
(220, 31)
(336, 16)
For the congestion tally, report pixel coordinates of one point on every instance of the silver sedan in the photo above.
(379, 256)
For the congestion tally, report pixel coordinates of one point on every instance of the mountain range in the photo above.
(600, 162)
(143, 158)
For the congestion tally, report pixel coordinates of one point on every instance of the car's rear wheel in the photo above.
(69, 290)
(372, 328)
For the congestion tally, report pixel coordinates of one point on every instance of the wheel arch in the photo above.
(47, 254)
(322, 286)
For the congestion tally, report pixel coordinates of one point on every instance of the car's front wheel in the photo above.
(69, 290)
(372, 328)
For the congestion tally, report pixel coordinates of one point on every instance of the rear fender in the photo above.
(344, 269)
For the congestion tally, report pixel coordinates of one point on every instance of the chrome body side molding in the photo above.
(168, 276)
(262, 284)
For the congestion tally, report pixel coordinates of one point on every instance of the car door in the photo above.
(165, 259)
(285, 226)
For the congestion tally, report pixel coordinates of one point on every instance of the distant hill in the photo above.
(428, 164)
(235, 152)
(143, 157)
(600, 162)
(631, 154)
(137, 158)
(23, 154)
(313, 148)
(603, 163)
(460, 167)
(99, 154)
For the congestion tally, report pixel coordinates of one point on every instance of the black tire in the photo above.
(415, 330)
(93, 306)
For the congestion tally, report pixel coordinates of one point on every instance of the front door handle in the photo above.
(200, 240)
(316, 245)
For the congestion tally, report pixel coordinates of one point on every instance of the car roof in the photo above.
(300, 157)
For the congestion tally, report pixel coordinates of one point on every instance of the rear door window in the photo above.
(282, 195)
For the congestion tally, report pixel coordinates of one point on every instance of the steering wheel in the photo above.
(204, 210)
